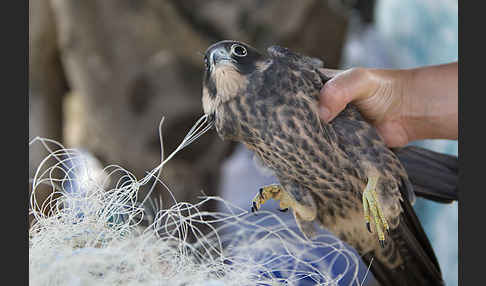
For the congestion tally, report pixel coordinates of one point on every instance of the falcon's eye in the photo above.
(238, 50)
(206, 62)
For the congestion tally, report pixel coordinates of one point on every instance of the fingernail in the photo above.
(324, 113)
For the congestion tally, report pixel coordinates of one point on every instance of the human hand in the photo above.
(376, 93)
(403, 105)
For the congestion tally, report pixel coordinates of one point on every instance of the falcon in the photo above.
(341, 175)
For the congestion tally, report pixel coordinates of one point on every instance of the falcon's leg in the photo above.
(275, 192)
(291, 195)
(370, 203)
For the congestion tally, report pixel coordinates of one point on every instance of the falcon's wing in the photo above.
(434, 176)
(361, 143)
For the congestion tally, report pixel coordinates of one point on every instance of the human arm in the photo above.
(403, 104)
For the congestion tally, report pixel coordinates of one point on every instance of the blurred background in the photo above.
(103, 73)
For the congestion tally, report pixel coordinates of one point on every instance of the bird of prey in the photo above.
(340, 175)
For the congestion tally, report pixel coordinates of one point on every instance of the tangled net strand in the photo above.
(87, 233)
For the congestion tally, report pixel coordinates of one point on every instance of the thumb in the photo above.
(340, 90)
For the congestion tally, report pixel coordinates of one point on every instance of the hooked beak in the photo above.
(218, 55)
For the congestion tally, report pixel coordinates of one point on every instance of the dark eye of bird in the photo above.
(238, 50)
(206, 62)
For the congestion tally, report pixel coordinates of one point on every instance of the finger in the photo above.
(332, 101)
(343, 88)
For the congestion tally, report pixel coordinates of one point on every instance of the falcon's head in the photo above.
(228, 65)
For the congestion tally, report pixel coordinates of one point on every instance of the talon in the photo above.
(283, 210)
(270, 192)
(254, 208)
(372, 205)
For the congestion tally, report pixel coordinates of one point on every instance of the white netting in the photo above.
(89, 232)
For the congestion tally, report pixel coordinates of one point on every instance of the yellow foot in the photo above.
(370, 202)
(271, 192)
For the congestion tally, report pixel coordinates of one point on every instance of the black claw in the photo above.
(382, 243)
(388, 231)
(260, 191)
(254, 208)
(368, 227)
(283, 210)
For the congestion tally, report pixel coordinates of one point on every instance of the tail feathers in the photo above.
(421, 255)
(434, 175)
